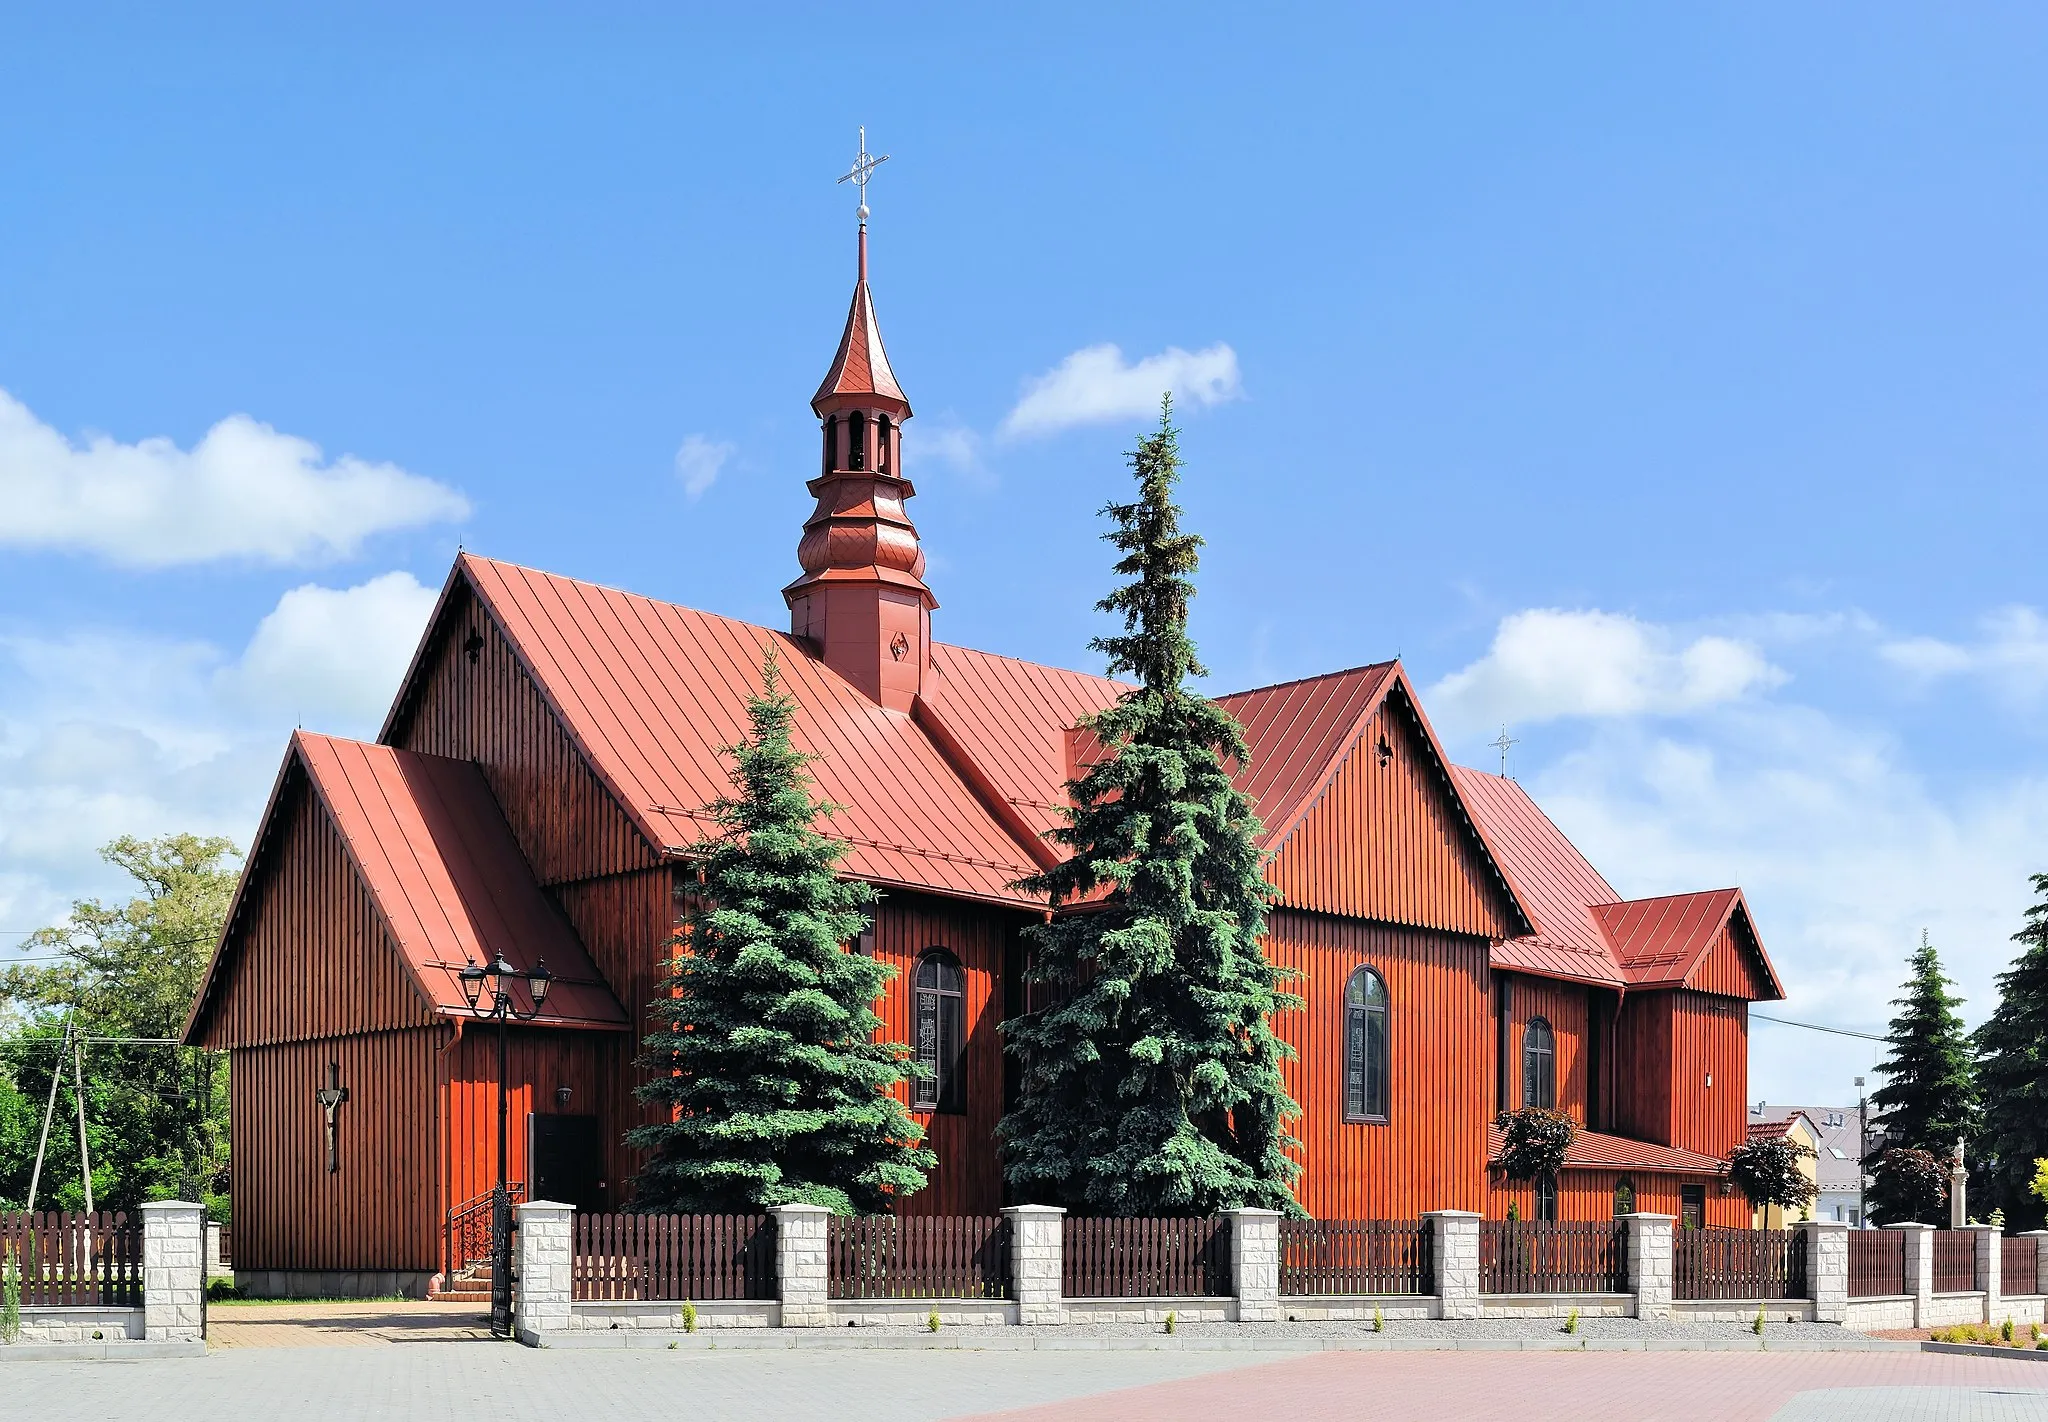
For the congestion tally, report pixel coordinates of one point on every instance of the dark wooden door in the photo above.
(567, 1160)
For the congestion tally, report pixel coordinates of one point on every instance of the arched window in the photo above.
(882, 439)
(1624, 1197)
(857, 431)
(1539, 1065)
(1546, 1197)
(1365, 1047)
(941, 1033)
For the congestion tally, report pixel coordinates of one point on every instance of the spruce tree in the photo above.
(2012, 1072)
(1929, 1099)
(765, 1060)
(1149, 1071)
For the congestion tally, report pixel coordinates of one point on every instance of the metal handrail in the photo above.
(467, 1239)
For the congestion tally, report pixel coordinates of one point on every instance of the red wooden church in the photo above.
(536, 791)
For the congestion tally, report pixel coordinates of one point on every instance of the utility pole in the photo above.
(78, 1089)
(49, 1110)
(1862, 1154)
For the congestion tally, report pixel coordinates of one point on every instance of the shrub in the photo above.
(1379, 1321)
(1172, 1319)
(1571, 1321)
(689, 1317)
(1768, 1172)
(1533, 1142)
(1758, 1327)
(931, 1322)
(10, 1297)
(2005, 1329)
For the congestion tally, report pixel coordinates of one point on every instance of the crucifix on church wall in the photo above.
(330, 1098)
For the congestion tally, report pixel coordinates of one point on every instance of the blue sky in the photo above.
(1665, 384)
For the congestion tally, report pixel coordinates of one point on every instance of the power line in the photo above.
(1816, 1027)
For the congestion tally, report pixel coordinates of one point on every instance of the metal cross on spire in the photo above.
(863, 168)
(1503, 745)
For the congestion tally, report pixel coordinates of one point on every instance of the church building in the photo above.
(537, 791)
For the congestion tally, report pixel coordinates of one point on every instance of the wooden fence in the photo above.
(1955, 1261)
(1145, 1258)
(2019, 1267)
(1355, 1257)
(672, 1257)
(75, 1259)
(917, 1257)
(1718, 1263)
(1877, 1263)
(1552, 1257)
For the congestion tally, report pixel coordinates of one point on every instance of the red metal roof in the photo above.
(1595, 1150)
(1556, 881)
(861, 366)
(650, 691)
(1297, 732)
(1585, 930)
(436, 855)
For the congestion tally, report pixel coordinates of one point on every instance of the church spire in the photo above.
(861, 602)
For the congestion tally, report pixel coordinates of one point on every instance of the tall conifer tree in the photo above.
(1150, 1075)
(766, 1060)
(1929, 1098)
(2012, 1072)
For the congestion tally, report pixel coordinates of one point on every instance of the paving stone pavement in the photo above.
(475, 1381)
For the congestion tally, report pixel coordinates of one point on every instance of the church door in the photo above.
(567, 1161)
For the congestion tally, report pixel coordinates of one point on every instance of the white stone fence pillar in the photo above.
(1650, 1276)
(1455, 1244)
(173, 1271)
(1919, 1270)
(1827, 1268)
(544, 1270)
(1255, 1264)
(1038, 1262)
(1989, 1268)
(800, 1264)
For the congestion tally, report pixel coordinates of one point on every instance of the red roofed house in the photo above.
(537, 789)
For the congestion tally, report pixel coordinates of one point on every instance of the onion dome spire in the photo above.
(862, 603)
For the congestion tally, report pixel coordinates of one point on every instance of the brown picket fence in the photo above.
(1719, 1263)
(1877, 1263)
(1955, 1261)
(1145, 1258)
(2019, 1267)
(672, 1257)
(75, 1259)
(1552, 1257)
(917, 1257)
(1355, 1257)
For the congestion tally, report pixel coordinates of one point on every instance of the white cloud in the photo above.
(338, 651)
(698, 463)
(2010, 654)
(243, 491)
(1546, 664)
(953, 445)
(1096, 383)
(1843, 848)
(109, 733)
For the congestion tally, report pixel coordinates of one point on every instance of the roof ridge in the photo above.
(1304, 680)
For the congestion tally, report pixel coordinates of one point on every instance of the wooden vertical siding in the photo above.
(490, 711)
(1431, 1154)
(1732, 967)
(969, 1178)
(626, 922)
(1563, 1006)
(536, 1063)
(377, 1211)
(1642, 1068)
(1709, 1038)
(1388, 842)
(1589, 1195)
(308, 954)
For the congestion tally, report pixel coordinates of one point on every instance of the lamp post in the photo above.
(489, 993)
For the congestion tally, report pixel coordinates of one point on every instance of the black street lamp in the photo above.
(497, 981)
